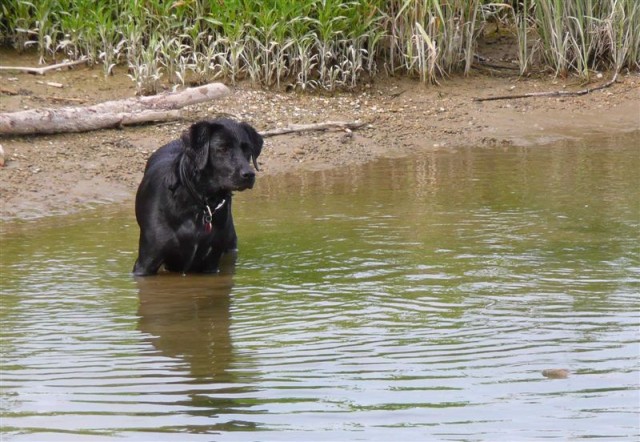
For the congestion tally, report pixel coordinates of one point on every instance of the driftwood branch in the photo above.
(552, 93)
(342, 125)
(43, 70)
(109, 114)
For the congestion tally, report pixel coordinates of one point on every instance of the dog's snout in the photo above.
(247, 178)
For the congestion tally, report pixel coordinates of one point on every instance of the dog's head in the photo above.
(220, 152)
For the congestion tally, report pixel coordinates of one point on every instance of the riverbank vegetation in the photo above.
(327, 44)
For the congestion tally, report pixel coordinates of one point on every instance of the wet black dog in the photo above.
(183, 204)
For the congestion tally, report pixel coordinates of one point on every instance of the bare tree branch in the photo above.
(551, 94)
(343, 125)
(43, 70)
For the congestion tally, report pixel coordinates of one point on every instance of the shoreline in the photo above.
(61, 174)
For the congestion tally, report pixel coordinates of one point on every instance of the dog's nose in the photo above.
(248, 175)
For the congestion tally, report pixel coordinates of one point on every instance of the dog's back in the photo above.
(168, 152)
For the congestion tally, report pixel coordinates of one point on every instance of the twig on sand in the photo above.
(342, 125)
(45, 97)
(43, 70)
(552, 93)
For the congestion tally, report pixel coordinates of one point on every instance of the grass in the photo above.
(581, 35)
(319, 44)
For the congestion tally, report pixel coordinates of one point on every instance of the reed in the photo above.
(327, 44)
(584, 35)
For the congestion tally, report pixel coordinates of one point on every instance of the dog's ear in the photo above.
(255, 141)
(197, 140)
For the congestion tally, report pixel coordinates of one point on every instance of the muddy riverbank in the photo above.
(57, 174)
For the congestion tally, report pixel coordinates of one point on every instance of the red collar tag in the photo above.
(206, 220)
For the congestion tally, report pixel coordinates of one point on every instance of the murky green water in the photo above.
(411, 299)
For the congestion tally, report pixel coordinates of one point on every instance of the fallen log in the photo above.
(109, 114)
(342, 125)
(43, 70)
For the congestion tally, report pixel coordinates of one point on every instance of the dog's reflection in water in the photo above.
(188, 317)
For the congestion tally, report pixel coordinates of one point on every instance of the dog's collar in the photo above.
(203, 201)
(207, 218)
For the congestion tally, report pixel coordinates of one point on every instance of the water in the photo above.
(411, 299)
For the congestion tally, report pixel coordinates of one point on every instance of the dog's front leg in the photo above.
(146, 267)
(211, 262)
(149, 259)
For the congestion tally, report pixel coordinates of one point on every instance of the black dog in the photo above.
(183, 204)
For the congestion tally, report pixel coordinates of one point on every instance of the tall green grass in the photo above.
(327, 44)
(431, 38)
(582, 35)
